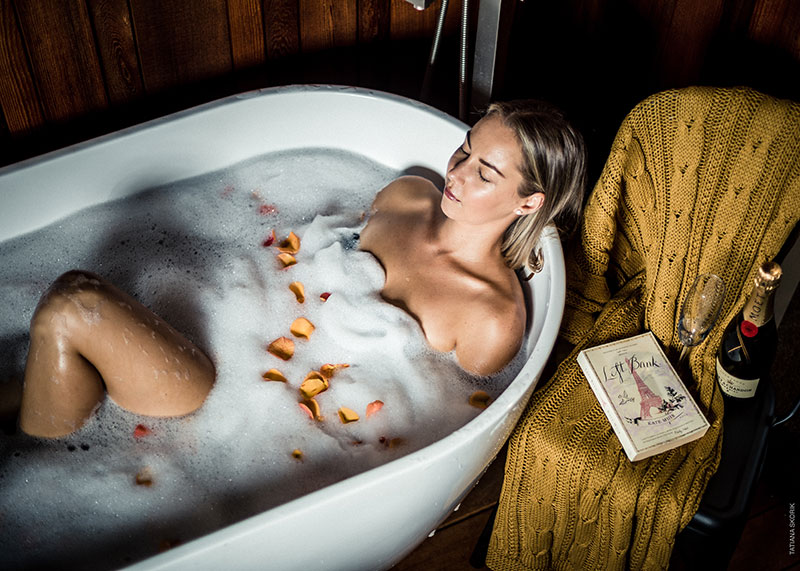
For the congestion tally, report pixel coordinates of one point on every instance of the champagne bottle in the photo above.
(748, 344)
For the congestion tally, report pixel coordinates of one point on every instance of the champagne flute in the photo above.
(700, 310)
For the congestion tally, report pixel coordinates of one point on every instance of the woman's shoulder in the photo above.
(407, 193)
(494, 327)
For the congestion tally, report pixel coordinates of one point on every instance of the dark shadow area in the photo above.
(575, 62)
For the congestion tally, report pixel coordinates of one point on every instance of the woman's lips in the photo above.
(450, 195)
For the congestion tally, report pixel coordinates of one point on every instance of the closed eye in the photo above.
(467, 143)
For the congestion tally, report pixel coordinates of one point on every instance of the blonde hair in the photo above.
(554, 164)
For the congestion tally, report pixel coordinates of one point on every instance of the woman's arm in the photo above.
(489, 340)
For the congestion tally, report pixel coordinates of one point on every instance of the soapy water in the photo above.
(198, 253)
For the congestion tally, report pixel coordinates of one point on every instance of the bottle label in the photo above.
(758, 309)
(734, 386)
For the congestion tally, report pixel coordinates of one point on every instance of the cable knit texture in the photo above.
(698, 180)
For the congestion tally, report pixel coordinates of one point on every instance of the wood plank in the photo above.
(118, 57)
(777, 23)
(4, 134)
(64, 61)
(18, 97)
(282, 27)
(326, 24)
(373, 21)
(449, 549)
(657, 13)
(181, 42)
(454, 541)
(407, 23)
(686, 40)
(247, 33)
(736, 17)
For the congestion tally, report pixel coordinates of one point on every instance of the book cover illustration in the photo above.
(646, 402)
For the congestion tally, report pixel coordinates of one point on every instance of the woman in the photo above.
(449, 257)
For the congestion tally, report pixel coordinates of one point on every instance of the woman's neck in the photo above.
(465, 242)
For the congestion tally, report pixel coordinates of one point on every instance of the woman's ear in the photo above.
(533, 203)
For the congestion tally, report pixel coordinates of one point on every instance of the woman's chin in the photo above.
(450, 208)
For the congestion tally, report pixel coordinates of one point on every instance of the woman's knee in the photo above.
(75, 296)
(77, 281)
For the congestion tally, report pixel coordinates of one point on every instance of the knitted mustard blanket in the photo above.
(698, 180)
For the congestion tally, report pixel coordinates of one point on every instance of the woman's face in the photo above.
(483, 175)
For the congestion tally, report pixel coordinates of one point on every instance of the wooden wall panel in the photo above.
(247, 33)
(282, 28)
(373, 21)
(408, 23)
(60, 44)
(63, 59)
(326, 24)
(687, 37)
(181, 42)
(18, 96)
(117, 48)
(736, 17)
(777, 22)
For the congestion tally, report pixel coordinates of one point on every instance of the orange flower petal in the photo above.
(329, 369)
(274, 375)
(302, 327)
(374, 407)
(297, 454)
(317, 375)
(346, 415)
(479, 399)
(287, 260)
(269, 240)
(391, 442)
(291, 245)
(141, 431)
(304, 407)
(267, 209)
(282, 347)
(313, 384)
(311, 408)
(144, 477)
(298, 290)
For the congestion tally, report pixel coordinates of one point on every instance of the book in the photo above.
(643, 397)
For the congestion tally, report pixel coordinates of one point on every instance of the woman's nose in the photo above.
(456, 173)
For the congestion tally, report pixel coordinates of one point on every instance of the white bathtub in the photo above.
(370, 521)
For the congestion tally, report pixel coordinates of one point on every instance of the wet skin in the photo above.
(441, 250)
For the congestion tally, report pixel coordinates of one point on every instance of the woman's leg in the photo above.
(87, 334)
